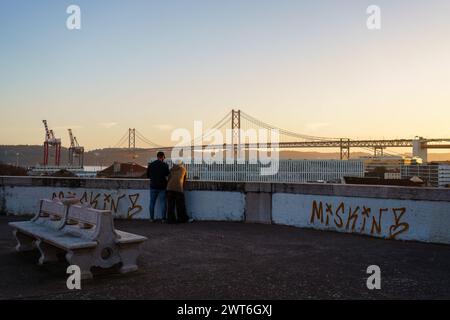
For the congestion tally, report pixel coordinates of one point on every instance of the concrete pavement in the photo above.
(228, 260)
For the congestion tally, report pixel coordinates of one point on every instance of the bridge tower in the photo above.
(419, 150)
(132, 139)
(236, 126)
(378, 151)
(236, 129)
(132, 143)
(345, 149)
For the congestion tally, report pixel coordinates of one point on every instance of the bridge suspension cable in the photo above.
(282, 131)
(252, 121)
(142, 138)
(237, 120)
(121, 141)
(217, 126)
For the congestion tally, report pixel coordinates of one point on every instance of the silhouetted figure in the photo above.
(157, 172)
(175, 194)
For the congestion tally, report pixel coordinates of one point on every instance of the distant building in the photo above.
(392, 175)
(434, 174)
(291, 171)
(123, 170)
(58, 170)
(387, 167)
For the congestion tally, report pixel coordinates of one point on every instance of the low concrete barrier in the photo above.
(127, 199)
(421, 214)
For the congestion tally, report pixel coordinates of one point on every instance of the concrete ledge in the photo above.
(215, 186)
(363, 191)
(74, 182)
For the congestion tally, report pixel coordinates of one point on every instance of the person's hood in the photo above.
(177, 167)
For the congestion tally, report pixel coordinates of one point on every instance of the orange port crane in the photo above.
(51, 141)
(75, 151)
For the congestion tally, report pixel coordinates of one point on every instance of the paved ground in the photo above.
(224, 260)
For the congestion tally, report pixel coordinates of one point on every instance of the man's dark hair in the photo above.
(160, 154)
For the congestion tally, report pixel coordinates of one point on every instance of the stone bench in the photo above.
(86, 237)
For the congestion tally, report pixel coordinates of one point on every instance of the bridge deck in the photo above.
(391, 143)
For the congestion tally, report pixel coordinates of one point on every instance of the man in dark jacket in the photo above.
(157, 172)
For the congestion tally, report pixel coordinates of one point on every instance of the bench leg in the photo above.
(48, 252)
(82, 259)
(24, 242)
(129, 254)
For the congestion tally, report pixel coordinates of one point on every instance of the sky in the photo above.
(312, 67)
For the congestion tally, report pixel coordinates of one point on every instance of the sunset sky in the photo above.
(311, 67)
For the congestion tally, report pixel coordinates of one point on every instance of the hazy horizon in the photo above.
(312, 68)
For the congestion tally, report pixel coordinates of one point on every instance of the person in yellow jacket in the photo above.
(175, 194)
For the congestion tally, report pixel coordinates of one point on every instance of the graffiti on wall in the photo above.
(362, 219)
(106, 201)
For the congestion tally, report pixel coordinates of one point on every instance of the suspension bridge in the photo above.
(238, 121)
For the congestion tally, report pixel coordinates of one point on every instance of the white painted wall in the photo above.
(130, 203)
(216, 205)
(427, 221)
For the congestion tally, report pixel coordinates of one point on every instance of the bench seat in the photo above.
(84, 235)
(63, 240)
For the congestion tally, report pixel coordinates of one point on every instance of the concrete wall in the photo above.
(421, 214)
(125, 198)
(386, 218)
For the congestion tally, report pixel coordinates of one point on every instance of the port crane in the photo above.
(51, 141)
(75, 151)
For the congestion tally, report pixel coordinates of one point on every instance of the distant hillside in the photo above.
(30, 155)
(8, 170)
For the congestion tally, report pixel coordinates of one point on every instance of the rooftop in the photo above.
(228, 260)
